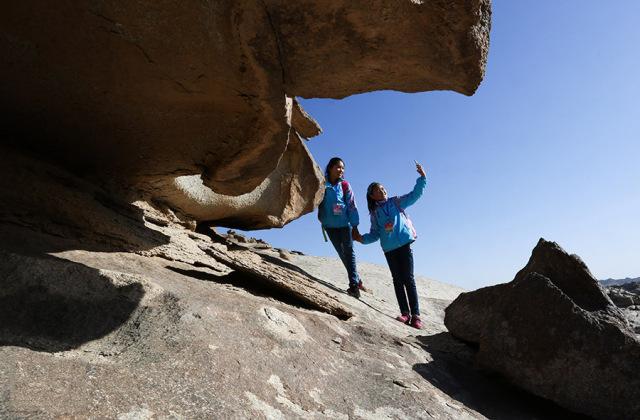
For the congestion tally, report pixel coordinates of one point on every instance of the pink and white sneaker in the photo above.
(404, 318)
(416, 322)
(361, 287)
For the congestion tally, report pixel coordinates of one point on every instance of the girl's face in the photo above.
(378, 193)
(336, 171)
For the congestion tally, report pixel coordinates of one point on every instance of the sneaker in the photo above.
(416, 322)
(354, 291)
(361, 287)
(404, 318)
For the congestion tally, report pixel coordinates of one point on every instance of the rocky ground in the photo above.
(111, 309)
(627, 297)
(172, 333)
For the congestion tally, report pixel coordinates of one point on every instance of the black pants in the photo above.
(400, 262)
(343, 243)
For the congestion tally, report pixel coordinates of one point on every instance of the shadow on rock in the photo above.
(291, 266)
(49, 304)
(452, 372)
(255, 285)
(46, 209)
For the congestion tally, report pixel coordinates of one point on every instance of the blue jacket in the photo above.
(390, 224)
(336, 209)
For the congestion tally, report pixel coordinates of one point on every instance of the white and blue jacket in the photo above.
(338, 208)
(390, 224)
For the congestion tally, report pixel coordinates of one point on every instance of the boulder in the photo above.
(633, 316)
(303, 123)
(335, 48)
(291, 190)
(625, 295)
(554, 332)
(200, 96)
(279, 279)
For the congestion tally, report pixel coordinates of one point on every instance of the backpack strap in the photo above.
(345, 188)
(406, 217)
(396, 200)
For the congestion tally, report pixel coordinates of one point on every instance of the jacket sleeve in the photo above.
(352, 209)
(374, 234)
(407, 200)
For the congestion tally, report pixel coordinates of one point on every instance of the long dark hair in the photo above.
(371, 203)
(332, 162)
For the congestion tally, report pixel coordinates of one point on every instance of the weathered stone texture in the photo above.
(139, 93)
(554, 332)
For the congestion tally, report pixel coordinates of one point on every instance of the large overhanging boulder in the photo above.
(138, 93)
(554, 332)
(338, 48)
(292, 189)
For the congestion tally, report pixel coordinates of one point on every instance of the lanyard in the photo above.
(336, 190)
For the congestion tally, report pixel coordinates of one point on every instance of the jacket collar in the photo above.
(327, 184)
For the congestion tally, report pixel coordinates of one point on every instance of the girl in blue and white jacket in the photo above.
(391, 225)
(339, 217)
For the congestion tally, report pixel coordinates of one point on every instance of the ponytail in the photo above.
(371, 203)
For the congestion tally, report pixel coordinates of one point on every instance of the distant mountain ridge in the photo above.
(618, 282)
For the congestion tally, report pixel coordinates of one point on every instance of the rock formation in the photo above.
(81, 216)
(626, 296)
(282, 197)
(129, 129)
(116, 311)
(554, 332)
(618, 282)
(193, 104)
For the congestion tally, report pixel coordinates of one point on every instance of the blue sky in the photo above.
(549, 146)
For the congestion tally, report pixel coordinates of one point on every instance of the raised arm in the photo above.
(407, 200)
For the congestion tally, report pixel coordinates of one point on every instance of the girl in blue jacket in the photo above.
(339, 217)
(392, 226)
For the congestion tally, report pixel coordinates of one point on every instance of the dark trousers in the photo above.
(343, 243)
(400, 262)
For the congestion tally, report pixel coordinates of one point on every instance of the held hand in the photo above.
(420, 169)
(356, 235)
